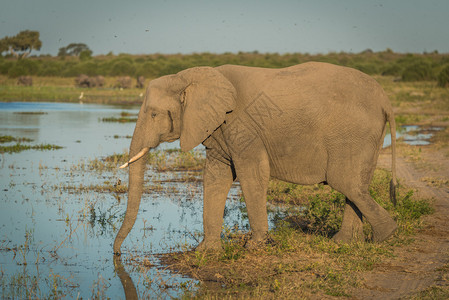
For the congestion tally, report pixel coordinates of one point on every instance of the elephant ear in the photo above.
(205, 102)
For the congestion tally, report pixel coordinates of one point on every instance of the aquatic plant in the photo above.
(21, 147)
(10, 139)
(119, 120)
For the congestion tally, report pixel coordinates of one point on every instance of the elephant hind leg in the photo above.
(355, 187)
(382, 223)
(352, 226)
(351, 174)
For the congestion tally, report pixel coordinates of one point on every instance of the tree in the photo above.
(85, 55)
(74, 49)
(3, 46)
(21, 44)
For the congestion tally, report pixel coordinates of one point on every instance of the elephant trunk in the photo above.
(136, 176)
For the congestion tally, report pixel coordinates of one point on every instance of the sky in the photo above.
(174, 26)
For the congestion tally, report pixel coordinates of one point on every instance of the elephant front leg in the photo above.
(218, 178)
(254, 175)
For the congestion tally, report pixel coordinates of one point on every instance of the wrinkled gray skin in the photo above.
(306, 124)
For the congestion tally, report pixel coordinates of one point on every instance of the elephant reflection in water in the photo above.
(127, 283)
(305, 124)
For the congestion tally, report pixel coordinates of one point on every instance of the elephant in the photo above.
(124, 82)
(305, 124)
(140, 82)
(89, 82)
(25, 81)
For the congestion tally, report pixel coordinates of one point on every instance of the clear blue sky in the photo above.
(174, 26)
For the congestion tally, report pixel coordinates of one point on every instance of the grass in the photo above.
(417, 103)
(50, 89)
(300, 260)
(436, 181)
(171, 160)
(63, 90)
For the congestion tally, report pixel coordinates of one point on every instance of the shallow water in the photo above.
(60, 236)
(412, 135)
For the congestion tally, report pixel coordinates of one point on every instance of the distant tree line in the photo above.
(407, 67)
(76, 59)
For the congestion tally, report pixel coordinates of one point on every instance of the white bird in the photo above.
(81, 97)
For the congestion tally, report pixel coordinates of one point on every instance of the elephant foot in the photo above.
(258, 241)
(253, 244)
(208, 245)
(384, 230)
(348, 236)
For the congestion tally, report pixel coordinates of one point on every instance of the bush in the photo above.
(89, 68)
(16, 71)
(417, 72)
(443, 77)
(393, 70)
(123, 67)
(51, 68)
(324, 213)
(149, 69)
(5, 66)
(23, 67)
(71, 69)
(367, 68)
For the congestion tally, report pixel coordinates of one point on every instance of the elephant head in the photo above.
(188, 106)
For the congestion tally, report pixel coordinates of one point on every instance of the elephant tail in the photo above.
(393, 182)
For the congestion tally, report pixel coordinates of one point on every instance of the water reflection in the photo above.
(128, 286)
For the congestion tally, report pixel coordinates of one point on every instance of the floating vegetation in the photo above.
(120, 120)
(30, 113)
(125, 117)
(116, 136)
(10, 139)
(100, 188)
(19, 147)
(106, 188)
(125, 114)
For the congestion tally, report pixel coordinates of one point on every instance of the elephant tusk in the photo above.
(136, 157)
